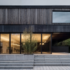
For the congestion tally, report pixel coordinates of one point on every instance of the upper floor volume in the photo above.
(34, 14)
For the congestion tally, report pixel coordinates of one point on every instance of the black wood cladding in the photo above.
(25, 16)
(35, 28)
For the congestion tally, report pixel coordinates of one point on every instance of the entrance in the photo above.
(61, 42)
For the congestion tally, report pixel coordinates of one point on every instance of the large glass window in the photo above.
(61, 17)
(15, 43)
(12, 43)
(46, 43)
(4, 43)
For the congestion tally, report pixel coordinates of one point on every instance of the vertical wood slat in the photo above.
(6, 16)
(41, 16)
(2, 17)
(28, 16)
(45, 17)
(23, 16)
(35, 16)
(38, 16)
(18, 16)
(32, 17)
(49, 16)
(13, 16)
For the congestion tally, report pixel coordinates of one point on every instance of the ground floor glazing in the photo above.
(11, 43)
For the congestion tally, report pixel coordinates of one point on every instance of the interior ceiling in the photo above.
(60, 36)
(38, 37)
(15, 38)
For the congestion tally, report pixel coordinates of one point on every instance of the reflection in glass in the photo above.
(46, 43)
(15, 43)
(36, 37)
(61, 17)
(4, 45)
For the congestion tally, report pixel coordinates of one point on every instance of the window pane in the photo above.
(36, 37)
(61, 17)
(4, 48)
(46, 43)
(15, 43)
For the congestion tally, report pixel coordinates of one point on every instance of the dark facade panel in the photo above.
(25, 16)
(60, 49)
(2, 16)
(28, 15)
(49, 17)
(13, 16)
(35, 28)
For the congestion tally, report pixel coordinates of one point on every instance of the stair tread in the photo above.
(16, 66)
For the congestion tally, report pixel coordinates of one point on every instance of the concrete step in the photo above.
(48, 64)
(16, 67)
(16, 64)
(52, 56)
(47, 61)
(52, 60)
(17, 61)
(52, 64)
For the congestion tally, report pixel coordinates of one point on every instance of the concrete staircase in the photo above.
(20, 61)
(16, 61)
(52, 60)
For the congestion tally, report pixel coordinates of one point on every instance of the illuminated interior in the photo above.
(15, 43)
(46, 43)
(4, 47)
(45, 38)
(36, 37)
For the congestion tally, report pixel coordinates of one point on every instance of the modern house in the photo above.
(50, 24)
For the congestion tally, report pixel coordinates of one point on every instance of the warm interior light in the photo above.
(45, 37)
(42, 43)
(34, 37)
(4, 39)
(15, 44)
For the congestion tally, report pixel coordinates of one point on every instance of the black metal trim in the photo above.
(10, 43)
(60, 10)
(36, 6)
(36, 24)
(51, 43)
(41, 43)
(20, 43)
(0, 42)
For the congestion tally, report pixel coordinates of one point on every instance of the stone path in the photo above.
(45, 68)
